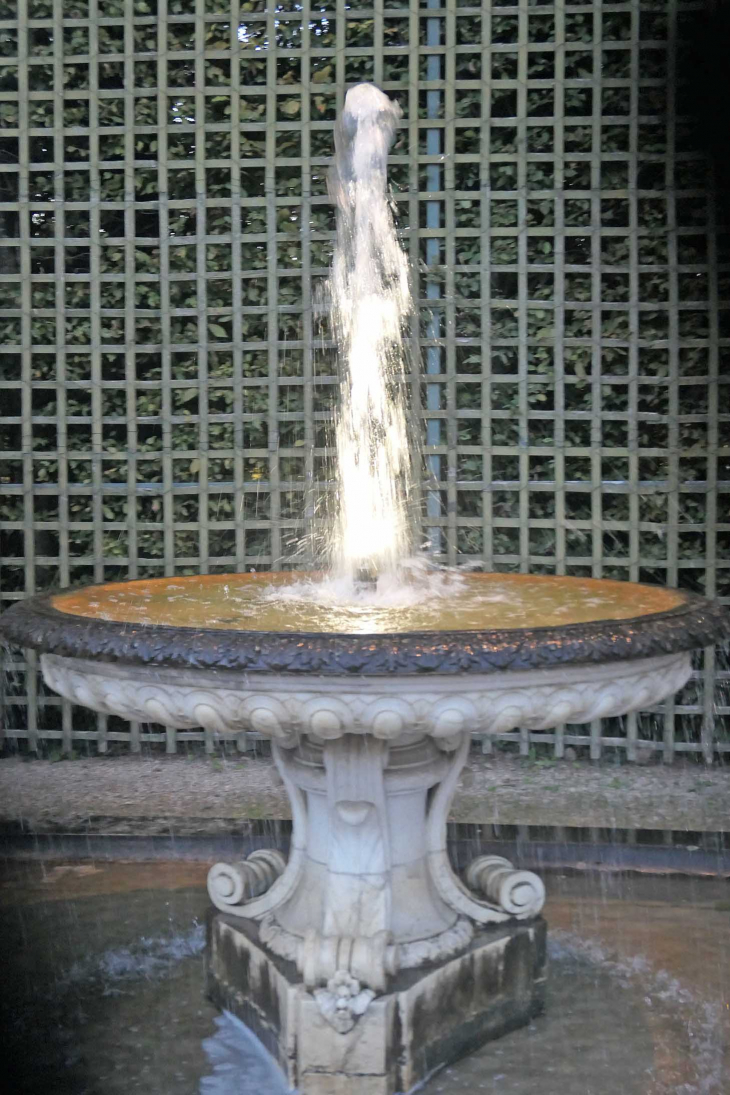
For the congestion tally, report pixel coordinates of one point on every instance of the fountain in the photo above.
(363, 962)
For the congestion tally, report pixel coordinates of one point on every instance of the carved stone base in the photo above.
(428, 1017)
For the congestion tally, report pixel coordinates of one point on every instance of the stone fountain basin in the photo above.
(98, 650)
(187, 623)
(364, 959)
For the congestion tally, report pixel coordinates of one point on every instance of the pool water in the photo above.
(435, 601)
(104, 991)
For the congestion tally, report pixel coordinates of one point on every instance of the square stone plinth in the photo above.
(429, 1017)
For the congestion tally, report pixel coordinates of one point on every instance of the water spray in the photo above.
(366, 578)
(371, 300)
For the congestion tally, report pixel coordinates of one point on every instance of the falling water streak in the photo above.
(370, 302)
(702, 1017)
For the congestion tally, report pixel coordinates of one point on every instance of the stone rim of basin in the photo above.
(694, 622)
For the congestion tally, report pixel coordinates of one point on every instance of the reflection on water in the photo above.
(434, 601)
(104, 993)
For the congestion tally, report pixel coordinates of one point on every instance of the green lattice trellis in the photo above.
(163, 227)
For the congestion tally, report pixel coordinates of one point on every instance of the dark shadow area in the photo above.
(703, 85)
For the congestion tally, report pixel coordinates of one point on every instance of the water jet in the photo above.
(363, 962)
(366, 578)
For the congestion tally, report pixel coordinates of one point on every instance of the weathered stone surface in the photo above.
(496, 986)
(427, 1018)
(315, 1083)
(366, 1050)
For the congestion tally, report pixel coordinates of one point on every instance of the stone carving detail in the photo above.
(368, 958)
(343, 1001)
(222, 710)
(235, 883)
(438, 948)
(451, 889)
(519, 893)
(397, 956)
(279, 940)
(281, 709)
(286, 883)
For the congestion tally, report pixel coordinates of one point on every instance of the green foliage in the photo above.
(154, 409)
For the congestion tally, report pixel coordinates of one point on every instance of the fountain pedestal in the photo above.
(365, 963)
(427, 1018)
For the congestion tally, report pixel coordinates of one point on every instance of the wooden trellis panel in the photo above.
(164, 224)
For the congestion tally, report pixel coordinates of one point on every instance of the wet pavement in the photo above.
(103, 986)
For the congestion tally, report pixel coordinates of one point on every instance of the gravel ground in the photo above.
(202, 794)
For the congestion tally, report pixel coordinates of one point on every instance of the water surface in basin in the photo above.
(291, 602)
(104, 987)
